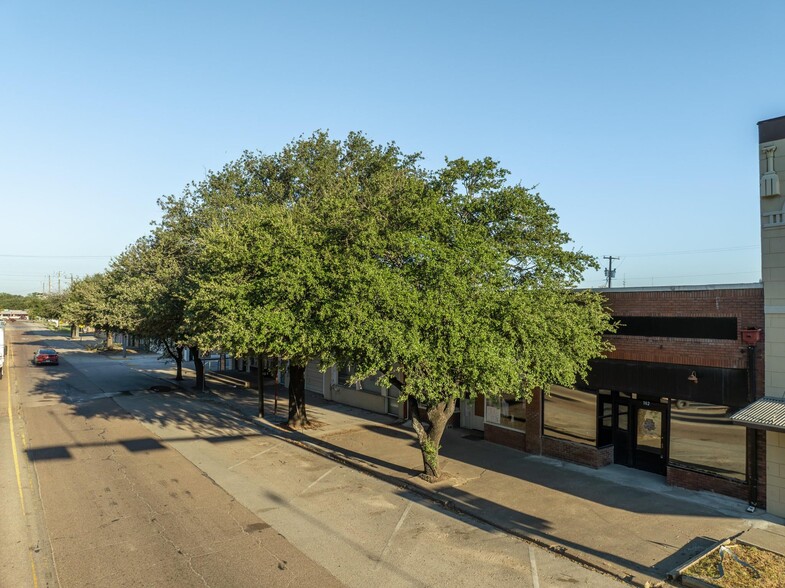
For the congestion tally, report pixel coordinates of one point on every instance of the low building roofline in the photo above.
(748, 286)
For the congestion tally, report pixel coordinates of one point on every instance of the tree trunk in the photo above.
(198, 367)
(177, 356)
(109, 339)
(74, 331)
(429, 439)
(260, 383)
(297, 416)
(178, 360)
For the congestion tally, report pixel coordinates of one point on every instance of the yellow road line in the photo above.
(13, 439)
(7, 375)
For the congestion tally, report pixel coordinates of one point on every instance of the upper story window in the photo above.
(686, 327)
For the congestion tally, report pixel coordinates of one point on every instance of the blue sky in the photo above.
(635, 120)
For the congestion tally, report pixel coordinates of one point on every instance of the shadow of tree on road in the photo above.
(231, 418)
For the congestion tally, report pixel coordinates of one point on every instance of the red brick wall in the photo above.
(746, 304)
(577, 453)
(693, 480)
(506, 437)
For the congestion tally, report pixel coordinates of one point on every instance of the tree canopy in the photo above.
(462, 287)
(446, 284)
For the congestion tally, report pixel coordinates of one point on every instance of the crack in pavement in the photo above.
(161, 530)
(282, 563)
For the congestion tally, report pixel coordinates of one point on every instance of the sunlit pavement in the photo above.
(623, 521)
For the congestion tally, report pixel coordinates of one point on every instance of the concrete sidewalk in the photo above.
(626, 523)
(621, 521)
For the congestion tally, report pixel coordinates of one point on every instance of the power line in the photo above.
(693, 251)
(59, 256)
(689, 276)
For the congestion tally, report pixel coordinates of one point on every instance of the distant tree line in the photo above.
(446, 284)
(16, 301)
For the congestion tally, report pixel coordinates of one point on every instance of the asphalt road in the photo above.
(106, 504)
(127, 487)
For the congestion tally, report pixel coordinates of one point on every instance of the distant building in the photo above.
(14, 315)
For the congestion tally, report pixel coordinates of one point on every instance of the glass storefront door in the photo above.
(640, 433)
(650, 437)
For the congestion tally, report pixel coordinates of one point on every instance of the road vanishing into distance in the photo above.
(104, 482)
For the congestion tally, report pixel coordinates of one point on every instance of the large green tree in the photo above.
(274, 252)
(176, 267)
(269, 281)
(450, 284)
(48, 306)
(147, 278)
(89, 301)
(460, 286)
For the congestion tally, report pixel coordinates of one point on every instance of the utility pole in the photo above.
(610, 273)
(58, 283)
(50, 284)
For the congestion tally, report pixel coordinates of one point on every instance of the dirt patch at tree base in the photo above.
(736, 565)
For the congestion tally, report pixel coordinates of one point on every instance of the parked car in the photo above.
(46, 356)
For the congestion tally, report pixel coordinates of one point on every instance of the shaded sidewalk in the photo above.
(623, 522)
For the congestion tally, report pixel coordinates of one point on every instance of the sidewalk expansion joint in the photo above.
(312, 445)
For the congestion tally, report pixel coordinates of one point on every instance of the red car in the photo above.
(46, 357)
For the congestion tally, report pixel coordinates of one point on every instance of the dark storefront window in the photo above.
(678, 327)
(604, 418)
(703, 437)
(571, 415)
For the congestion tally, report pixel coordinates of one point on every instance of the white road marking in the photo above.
(252, 457)
(319, 479)
(392, 535)
(535, 576)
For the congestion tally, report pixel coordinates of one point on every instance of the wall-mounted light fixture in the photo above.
(693, 377)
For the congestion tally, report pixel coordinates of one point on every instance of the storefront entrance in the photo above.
(637, 428)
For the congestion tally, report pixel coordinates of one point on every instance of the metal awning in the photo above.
(765, 413)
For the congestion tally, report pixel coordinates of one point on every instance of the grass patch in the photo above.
(117, 350)
(65, 329)
(720, 568)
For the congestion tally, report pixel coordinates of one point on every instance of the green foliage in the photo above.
(151, 288)
(430, 452)
(49, 306)
(17, 301)
(88, 302)
(458, 283)
(267, 282)
(448, 283)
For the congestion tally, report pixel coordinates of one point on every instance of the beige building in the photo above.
(769, 413)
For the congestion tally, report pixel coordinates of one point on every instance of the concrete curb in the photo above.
(313, 445)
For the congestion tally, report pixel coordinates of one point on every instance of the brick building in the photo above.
(686, 358)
